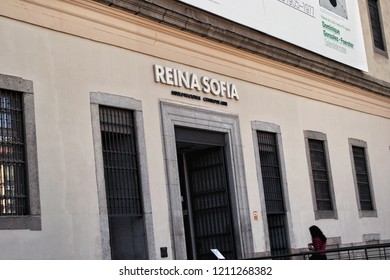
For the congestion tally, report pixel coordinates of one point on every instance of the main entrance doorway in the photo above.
(204, 187)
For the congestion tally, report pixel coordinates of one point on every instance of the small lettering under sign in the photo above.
(197, 97)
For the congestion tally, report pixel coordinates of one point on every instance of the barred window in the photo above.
(273, 192)
(376, 25)
(362, 178)
(123, 183)
(320, 175)
(19, 185)
(13, 193)
(120, 162)
(270, 171)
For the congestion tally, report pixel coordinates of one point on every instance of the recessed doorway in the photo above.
(206, 199)
(212, 133)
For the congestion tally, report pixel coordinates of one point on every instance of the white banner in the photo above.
(331, 28)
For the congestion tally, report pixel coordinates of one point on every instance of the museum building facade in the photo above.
(150, 129)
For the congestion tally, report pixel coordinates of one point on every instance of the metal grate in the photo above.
(362, 178)
(273, 192)
(120, 162)
(320, 175)
(123, 193)
(365, 252)
(376, 24)
(13, 192)
(211, 206)
(277, 234)
(270, 172)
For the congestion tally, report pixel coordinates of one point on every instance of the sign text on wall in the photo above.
(178, 78)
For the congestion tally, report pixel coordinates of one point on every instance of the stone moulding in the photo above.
(206, 25)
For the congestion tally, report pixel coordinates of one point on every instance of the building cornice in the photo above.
(196, 21)
(90, 20)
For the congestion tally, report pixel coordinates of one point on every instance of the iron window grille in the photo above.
(273, 192)
(120, 162)
(270, 172)
(13, 189)
(376, 25)
(362, 178)
(320, 175)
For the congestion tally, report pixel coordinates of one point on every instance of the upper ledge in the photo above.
(206, 25)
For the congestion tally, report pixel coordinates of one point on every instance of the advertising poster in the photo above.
(330, 28)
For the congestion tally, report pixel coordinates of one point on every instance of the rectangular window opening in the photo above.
(362, 178)
(120, 162)
(376, 25)
(270, 171)
(320, 175)
(273, 192)
(122, 184)
(13, 188)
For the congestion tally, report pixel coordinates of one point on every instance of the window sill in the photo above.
(368, 214)
(325, 215)
(20, 222)
(381, 52)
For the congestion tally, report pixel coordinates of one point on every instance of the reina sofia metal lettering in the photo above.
(178, 78)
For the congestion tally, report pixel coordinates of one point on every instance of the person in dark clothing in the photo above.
(318, 244)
